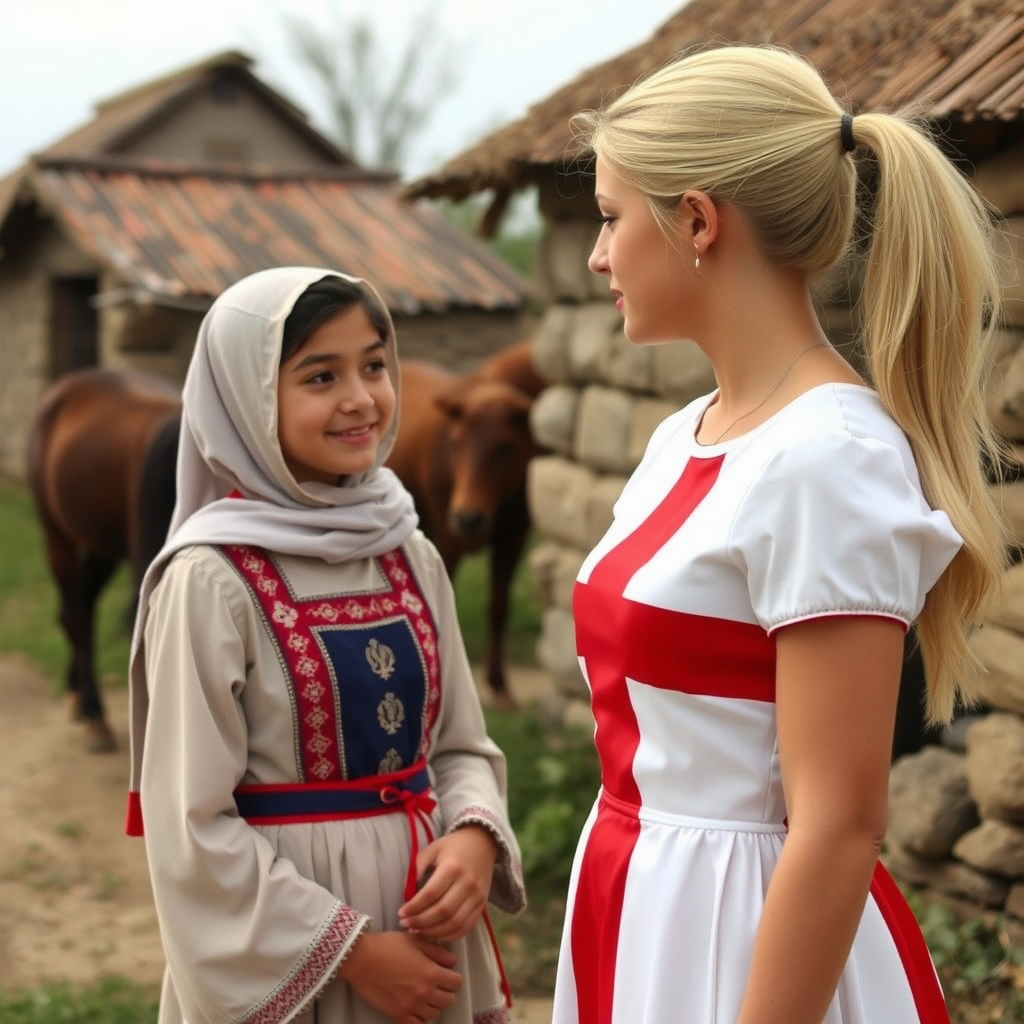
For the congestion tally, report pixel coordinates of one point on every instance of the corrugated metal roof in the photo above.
(178, 232)
(950, 58)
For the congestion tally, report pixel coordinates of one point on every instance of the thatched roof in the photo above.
(962, 59)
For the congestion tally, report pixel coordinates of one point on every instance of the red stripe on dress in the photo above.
(601, 887)
(913, 951)
(600, 611)
(133, 815)
(617, 567)
(618, 732)
(669, 650)
(597, 911)
(704, 655)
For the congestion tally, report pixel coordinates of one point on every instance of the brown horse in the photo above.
(462, 450)
(87, 444)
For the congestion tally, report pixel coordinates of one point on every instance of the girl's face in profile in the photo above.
(335, 400)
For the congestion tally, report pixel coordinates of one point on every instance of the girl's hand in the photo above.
(457, 870)
(405, 977)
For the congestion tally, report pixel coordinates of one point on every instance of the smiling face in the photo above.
(651, 278)
(335, 400)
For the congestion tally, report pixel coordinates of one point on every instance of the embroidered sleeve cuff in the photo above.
(507, 890)
(315, 970)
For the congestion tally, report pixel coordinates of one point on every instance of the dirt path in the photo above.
(74, 890)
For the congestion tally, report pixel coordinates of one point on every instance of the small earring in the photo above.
(696, 263)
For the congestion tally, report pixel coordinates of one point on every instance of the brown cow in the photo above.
(462, 450)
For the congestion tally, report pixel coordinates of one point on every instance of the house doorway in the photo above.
(74, 326)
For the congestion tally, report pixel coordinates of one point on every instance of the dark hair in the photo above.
(322, 301)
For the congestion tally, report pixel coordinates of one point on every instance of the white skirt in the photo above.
(663, 912)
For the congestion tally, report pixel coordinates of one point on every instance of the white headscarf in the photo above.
(229, 442)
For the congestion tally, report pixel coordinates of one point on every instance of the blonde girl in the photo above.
(741, 624)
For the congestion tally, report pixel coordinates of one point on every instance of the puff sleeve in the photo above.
(837, 525)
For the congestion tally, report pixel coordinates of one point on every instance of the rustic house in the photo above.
(958, 814)
(114, 240)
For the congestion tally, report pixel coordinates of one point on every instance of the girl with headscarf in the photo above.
(325, 815)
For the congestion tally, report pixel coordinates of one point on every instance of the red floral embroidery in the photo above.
(291, 622)
(476, 814)
(313, 972)
(499, 1015)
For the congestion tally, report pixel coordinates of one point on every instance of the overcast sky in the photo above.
(60, 57)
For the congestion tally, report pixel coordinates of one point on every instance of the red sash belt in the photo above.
(289, 803)
(407, 791)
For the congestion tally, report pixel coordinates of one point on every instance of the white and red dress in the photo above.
(817, 512)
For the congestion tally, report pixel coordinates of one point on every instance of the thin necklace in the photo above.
(803, 351)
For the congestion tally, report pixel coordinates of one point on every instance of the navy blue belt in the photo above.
(293, 802)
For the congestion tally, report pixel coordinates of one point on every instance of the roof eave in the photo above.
(536, 138)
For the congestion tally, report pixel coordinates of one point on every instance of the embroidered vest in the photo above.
(362, 669)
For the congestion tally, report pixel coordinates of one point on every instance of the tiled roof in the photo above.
(181, 232)
(951, 58)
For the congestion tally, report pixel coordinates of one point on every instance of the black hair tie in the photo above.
(846, 133)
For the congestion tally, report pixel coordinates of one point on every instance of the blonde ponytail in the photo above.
(929, 305)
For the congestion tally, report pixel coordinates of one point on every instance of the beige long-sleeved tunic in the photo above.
(275, 670)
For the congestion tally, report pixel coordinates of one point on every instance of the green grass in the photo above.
(553, 780)
(106, 1001)
(975, 953)
(523, 628)
(28, 598)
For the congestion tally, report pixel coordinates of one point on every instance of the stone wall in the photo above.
(459, 340)
(25, 335)
(957, 810)
(957, 815)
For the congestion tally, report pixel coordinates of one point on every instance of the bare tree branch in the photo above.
(375, 116)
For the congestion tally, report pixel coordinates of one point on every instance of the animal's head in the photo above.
(489, 446)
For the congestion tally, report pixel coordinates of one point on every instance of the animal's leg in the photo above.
(154, 497)
(62, 556)
(94, 573)
(511, 528)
